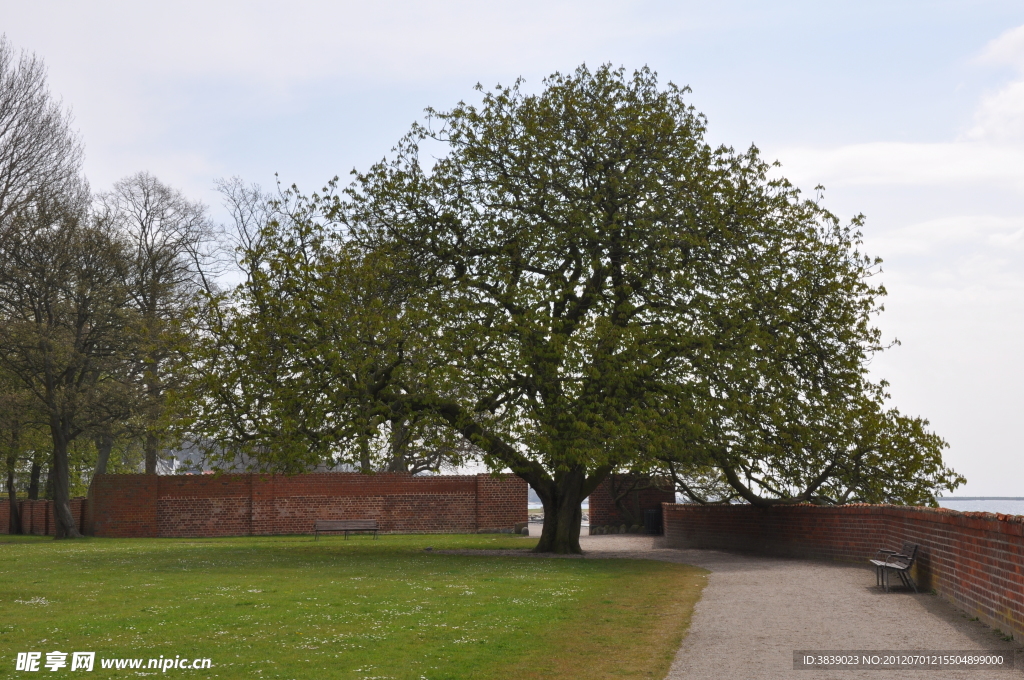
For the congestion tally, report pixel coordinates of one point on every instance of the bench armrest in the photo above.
(900, 565)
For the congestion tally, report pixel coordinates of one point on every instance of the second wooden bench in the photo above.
(344, 525)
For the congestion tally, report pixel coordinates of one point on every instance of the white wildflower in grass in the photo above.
(37, 601)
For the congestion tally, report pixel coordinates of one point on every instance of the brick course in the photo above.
(254, 504)
(973, 559)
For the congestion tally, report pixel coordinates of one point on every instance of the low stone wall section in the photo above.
(973, 559)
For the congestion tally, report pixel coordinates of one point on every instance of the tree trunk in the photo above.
(563, 515)
(398, 462)
(151, 451)
(33, 483)
(12, 491)
(364, 454)
(104, 443)
(14, 526)
(48, 488)
(65, 521)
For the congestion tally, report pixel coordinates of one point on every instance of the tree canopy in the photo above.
(578, 284)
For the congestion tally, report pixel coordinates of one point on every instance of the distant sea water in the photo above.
(1004, 505)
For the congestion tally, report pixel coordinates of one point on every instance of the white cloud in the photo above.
(992, 150)
(1000, 233)
(140, 75)
(1008, 48)
(946, 216)
(899, 163)
(1000, 116)
(308, 40)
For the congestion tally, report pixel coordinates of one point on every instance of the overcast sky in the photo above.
(909, 112)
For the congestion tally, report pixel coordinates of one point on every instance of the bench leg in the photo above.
(908, 581)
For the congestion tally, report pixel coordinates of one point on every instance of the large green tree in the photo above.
(578, 283)
(610, 288)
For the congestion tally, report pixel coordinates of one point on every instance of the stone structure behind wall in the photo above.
(640, 495)
(974, 559)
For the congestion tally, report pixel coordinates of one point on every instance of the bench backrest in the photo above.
(346, 524)
(910, 550)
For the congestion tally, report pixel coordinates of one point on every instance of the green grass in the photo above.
(288, 607)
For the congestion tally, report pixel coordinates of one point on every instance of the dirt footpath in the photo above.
(755, 611)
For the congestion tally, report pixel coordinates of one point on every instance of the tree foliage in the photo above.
(41, 192)
(330, 327)
(91, 296)
(579, 283)
(65, 313)
(167, 240)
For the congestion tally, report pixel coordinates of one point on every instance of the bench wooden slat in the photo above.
(332, 524)
(345, 525)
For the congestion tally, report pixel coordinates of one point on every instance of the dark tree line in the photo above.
(92, 288)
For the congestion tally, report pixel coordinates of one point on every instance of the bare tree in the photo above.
(39, 153)
(170, 241)
(252, 210)
(50, 287)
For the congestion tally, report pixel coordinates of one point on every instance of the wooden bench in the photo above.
(899, 562)
(345, 525)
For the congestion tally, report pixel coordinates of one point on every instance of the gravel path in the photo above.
(755, 611)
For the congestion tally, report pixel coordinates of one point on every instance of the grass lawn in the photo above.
(288, 607)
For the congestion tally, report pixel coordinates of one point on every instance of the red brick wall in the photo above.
(204, 505)
(123, 506)
(36, 520)
(78, 512)
(604, 512)
(35, 523)
(37, 516)
(243, 505)
(399, 502)
(500, 502)
(24, 517)
(974, 559)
